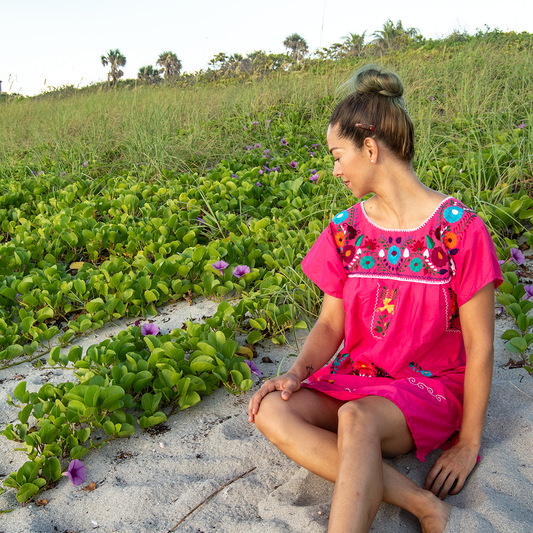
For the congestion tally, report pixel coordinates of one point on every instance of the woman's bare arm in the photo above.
(321, 344)
(477, 324)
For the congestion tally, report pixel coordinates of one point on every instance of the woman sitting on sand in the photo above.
(414, 306)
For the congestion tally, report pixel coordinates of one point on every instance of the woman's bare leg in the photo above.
(304, 428)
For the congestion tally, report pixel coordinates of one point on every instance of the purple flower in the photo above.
(75, 472)
(244, 128)
(248, 147)
(149, 329)
(432, 98)
(62, 175)
(253, 368)
(501, 262)
(293, 164)
(259, 184)
(314, 177)
(517, 256)
(284, 142)
(260, 172)
(275, 169)
(315, 146)
(268, 121)
(461, 171)
(257, 145)
(200, 220)
(34, 173)
(266, 152)
(529, 291)
(312, 154)
(85, 163)
(241, 270)
(255, 123)
(234, 176)
(522, 126)
(220, 266)
(266, 169)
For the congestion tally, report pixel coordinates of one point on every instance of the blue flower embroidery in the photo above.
(341, 217)
(453, 213)
(394, 255)
(416, 264)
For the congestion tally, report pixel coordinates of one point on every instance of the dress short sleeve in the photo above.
(476, 263)
(323, 266)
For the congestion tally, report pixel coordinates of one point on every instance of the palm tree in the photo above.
(298, 46)
(115, 59)
(393, 37)
(354, 43)
(170, 64)
(149, 74)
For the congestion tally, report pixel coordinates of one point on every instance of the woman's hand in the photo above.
(287, 383)
(451, 469)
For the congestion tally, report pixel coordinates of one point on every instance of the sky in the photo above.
(59, 42)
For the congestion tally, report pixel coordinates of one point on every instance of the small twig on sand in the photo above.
(210, 496)
(525, 394)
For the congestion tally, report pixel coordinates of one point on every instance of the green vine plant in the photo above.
(514, 296)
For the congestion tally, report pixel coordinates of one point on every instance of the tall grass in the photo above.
(455, 96)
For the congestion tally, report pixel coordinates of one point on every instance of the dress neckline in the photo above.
(404, 230)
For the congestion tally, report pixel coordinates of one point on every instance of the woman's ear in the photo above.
(370, 149)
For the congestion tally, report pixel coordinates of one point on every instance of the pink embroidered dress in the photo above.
(402, 290)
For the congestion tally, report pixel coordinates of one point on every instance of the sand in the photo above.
(153, 482)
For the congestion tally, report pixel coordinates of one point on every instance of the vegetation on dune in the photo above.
(114, 202)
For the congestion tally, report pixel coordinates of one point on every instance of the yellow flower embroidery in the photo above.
(387, 306)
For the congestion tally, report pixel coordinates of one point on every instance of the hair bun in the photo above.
(374, 79)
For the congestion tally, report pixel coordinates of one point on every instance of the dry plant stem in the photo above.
(210, 496)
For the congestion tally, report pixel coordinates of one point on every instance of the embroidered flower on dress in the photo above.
(418, 245)
(348, 252)
(450, 240)
(394, 255)
(453, 213)
(367, 262)
(416, 265)
(439, 257)
(361, 368)
(340, 240)
(341, 217)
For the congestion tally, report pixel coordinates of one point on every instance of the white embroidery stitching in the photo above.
(404, 230)
(423, 386)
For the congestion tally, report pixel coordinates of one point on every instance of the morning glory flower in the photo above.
(85, 163)
(315, 146)
(266, 169)
(253, 368)
(200, 220)
(62, 175)
(248, 147)
(255, 123)
(259, 184)
(267, 151)
(284, 142)
(529, 291)
(312, 154)
(257, 145)
(149, 329)
(293, 164)
(75, 472)
(432, 98)
(501, 262)
(241, 270)
(234, 176)
(517, 256)
(522, 126)
(220, 266)
(314, 177)
(275, 169)
(260, 172)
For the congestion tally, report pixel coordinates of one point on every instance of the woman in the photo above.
(414, 306)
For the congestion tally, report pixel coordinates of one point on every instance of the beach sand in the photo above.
(150, 482)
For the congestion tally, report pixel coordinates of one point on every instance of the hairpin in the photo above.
(368, 127)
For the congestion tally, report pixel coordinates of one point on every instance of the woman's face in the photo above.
(352, 165)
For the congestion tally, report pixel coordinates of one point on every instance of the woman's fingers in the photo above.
(287, 384)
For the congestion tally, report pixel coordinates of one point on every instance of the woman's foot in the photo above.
(435, 516)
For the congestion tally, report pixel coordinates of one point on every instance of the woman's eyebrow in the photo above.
(334, 148)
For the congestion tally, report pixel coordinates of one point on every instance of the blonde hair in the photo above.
(376, 99)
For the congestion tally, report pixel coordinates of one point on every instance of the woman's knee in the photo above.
(356, 416)
(268, 417)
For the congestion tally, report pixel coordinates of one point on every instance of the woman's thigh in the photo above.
(304, 405)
